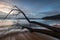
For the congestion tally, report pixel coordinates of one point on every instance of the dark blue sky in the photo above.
(37, 7)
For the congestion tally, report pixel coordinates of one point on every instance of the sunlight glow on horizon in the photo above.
(5, 7)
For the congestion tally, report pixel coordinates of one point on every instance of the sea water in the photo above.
(25, 22)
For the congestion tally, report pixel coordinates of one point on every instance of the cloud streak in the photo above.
(37, 7)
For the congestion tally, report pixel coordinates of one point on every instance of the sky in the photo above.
(37, 8)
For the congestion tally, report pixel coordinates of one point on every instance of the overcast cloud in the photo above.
(37, 7)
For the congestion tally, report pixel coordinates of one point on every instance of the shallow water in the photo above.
(24, 21)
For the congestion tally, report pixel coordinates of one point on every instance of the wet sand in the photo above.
(26, 35)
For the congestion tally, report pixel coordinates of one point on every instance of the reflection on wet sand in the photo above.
(6, 22)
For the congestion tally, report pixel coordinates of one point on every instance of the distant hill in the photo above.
(55, 17)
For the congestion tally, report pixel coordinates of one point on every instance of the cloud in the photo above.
(37, 7)
(5, 7)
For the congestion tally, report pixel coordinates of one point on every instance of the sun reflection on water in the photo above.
(6, 22)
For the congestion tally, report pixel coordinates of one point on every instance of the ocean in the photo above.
(25, 22)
